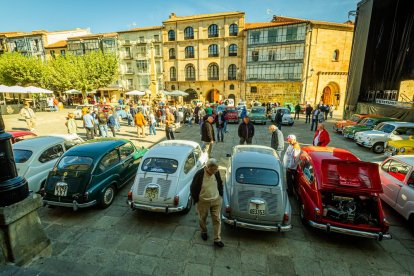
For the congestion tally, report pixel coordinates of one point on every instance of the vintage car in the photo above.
(400, 147)
(397, 178)
(384, 132)
(355, 119)
(365, 124)
(78, 110)
(255, 192)
(163, 180)
(258, 115)
(287, 118)
(232, 115)
(103, 107)
(36, 157)
(20, 135)
(90, 174)
(339, 193)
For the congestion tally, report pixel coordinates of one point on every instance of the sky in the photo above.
(112, 15)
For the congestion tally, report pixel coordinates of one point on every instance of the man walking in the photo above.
(28, 114)
(169, 124)
(297, 111)
(290, 162)
(140, 123)
(88, 124)
(220, 125)
(103, 124)
(246, 131)
(315, 118)
(207, 135)
(308, 112)
(278, 119)
(207, 192)
(277, 142)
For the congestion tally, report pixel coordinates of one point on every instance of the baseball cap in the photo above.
(291, 137)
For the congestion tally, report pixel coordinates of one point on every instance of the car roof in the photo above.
(173, 148)
(38, 142)
(96, 147)
(409, 159)
(261, 154)
(398, 124)
(18, 133)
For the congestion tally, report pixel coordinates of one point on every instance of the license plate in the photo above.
(61, 189)
(257, 209)
(151, 193)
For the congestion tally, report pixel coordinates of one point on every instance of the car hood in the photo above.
(401, 143)
(346, 176)
(373, 133)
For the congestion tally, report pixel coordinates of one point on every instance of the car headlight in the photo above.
(402, 149)
(369, 139)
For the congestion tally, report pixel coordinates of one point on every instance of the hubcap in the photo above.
(379, 148)
(108, 196)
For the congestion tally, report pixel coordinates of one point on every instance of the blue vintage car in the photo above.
(92, 173)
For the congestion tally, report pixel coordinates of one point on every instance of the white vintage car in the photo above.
(35, 157)
(164, 177)
(78, 110)
(287, 118)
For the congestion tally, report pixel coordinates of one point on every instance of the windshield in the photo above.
(258, 110)
(257, 176)
(284, 111)
(75, 163)
(160, 165)
(369, 122)
(386, 128)
(21, 156)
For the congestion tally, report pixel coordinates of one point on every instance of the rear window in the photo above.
(257, 176)
(285, 111)
(75, 163)
(21, 156)
(159, 165)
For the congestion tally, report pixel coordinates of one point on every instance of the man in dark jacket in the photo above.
(246, 131)
(279, 118)
(220, 121)
(277, 142)
(207, 135)
(308, 111)
(207, 191)
(297, 111)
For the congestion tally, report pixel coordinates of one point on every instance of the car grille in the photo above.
(165, 186)
(143, 182)
(271, 201)
(244, 197)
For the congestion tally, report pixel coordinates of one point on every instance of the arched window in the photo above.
(233, 30)
(189, 33)
(231, 87)
(232, 72)
(189, 72)
(173, 87)
(173, 74)
(171, 35)
(213, 50)
(335, 56)
(213, 30)
(213, 71)
(171, 53)
(189, 52)
(233, 50)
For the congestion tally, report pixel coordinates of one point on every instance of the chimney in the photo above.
(173, 15)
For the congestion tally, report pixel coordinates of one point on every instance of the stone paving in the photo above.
(119, 241)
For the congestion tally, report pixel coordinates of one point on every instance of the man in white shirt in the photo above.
(290, 162)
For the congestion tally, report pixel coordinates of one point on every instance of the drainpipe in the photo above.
(307, 64)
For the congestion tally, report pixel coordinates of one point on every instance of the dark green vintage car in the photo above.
(365, 124)
(91, 173)
(258, 115)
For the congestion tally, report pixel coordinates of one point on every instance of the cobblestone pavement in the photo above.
(119, 241)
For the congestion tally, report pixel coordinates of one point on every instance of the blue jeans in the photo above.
(225, 127)
(220, 134)
(314, 123)
(117, 125)
(104, 130)
(152, 129)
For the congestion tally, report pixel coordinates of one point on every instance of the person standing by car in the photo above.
(207, 135)
(308, 112)
(112, 122)
(71, 124)
(207, 192)
(220, 123)
(140, 123)
(169, 124)
(277, 141)
(88, 124)
(290, 161)
(96, 122)
(28, 114)
(278, 119)
(246, 131)
(152, 123)
(321, 137)
(103, 124)
(315, 118)
(297, 111)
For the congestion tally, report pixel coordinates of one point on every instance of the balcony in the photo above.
(213, 78)
(172, 57)
(129, 72)
(174, 79)
(190, 78)
(189, 56)
(213, 55)
(128, 57)
(212, 35)
(126, 43)
(232, 78)
(189, 37)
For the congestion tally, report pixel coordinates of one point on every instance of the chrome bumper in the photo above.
(236, 223)
(159, 209)
(75, 205)
(328, 228)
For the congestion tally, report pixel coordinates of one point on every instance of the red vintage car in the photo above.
(103, 107)
(232, 115)
(20, 135)
(339, 193)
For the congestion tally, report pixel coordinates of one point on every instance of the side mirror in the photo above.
(228, 155)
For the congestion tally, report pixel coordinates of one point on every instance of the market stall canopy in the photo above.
(177, 93)
(135, 93)
(34, 89)
(14, 89)
(72, 91)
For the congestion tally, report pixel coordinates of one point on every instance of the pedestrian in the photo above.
(297, 111)
(112, 122)
(71, 124)
(209, 110)
(195, 114)
(152, 123)
(55, 104)
(246, 131)
(277, 140)
(321, 116)
(169, 124)
(116, 116)
(207, 192)
(279, 119)
(220, 121)
(207, 135)
(326, 111)
(96, 122)
(321, 137)
(308, 112)
(88, 124)
(50, 104)
(225, 120)
(243, 112)
(103, 123)
(331, 109)
(315, 118)
(140, 123)
(290, 162)
(30, 117)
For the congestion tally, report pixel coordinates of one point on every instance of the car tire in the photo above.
(189, 205)
(302, 214)
(378, 147)
(107, 196)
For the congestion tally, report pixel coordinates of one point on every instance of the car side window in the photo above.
(51, 153)
(197, 153)
(126, 150)
(189, 163)
(109, 160)
(398, 170)
(385, 167)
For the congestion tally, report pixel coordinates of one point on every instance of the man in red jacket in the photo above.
(321, 138)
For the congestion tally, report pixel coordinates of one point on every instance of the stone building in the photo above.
(203, 55)
(56, 49)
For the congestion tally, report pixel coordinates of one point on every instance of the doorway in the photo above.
(213, 96)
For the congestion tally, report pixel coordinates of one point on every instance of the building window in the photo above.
(272, 55)
(157, 50)
(254, 37)
(213, 71)
(171, 53)
(232, 74)
(189, 72)
(142, 66)
(128, 52)
(335, 56)
(130, 83)
(52, 53)
(255, 55)
(233, 30)
(189, 33)
(291, 33)
(172, 87)
(173, 74)
(231, 87)
(233, 50)
(63, 53)
(171, 35)
(213, 50)
(141, 39)
(253, 89)
(156, 38)
(272, 35)
(142, 50)
(189, 52)
(213, 30)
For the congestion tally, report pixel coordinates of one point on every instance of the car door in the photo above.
(129, 164)
(393, 175)
(186, 177)
(406, 196)
(107, 170)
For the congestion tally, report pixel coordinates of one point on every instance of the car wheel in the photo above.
(378, 147)
(302, 214)
(107, 197)
(189, 204)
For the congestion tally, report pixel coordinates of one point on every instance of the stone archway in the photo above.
(192, 95)
(330, 94)
(213, 96)
(232, 96)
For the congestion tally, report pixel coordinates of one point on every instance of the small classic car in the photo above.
(397, 178)
(400, 147)
(258, 115)
(339, 193)
(287, 118)
(91, 173)
(35, 157)
(163, 180)
(255, 194)
(78, 110)
(355, 119)
(365, 124)
(232, 115)
(384, 132)
(20, 135)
